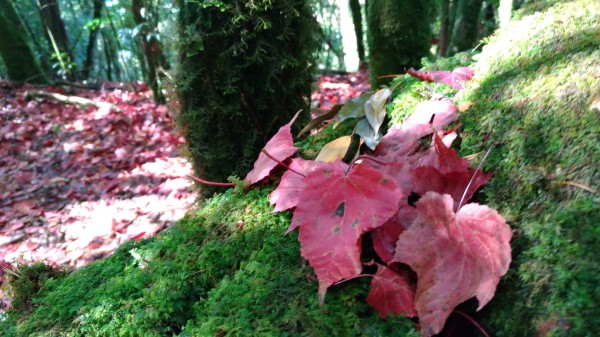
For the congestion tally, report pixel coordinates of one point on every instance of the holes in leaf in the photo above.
(339, 211)
(413, 198)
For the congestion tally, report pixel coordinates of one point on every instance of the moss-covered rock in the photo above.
(532, 92)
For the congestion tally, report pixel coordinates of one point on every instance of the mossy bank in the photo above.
(228, 270)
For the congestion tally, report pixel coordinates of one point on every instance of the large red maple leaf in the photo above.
(456, 256)
(335, 209)
(280, 147)
(287, 193)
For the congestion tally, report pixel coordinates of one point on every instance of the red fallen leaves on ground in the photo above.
(78, 182)
(338, 88)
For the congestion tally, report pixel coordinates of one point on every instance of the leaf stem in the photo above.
(352, 278)
(474, 322)
(281, 163)
(211, 183)
(371, 159)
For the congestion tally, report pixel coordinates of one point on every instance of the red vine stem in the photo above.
(211, 183)
(281, 163)
(474, 322)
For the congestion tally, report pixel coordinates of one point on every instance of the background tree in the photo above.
(245, 68)
(94, 27)
(399, 35)
(146, 17)
(56, 33)
(465, 32)
(19, 60)
(357, 20)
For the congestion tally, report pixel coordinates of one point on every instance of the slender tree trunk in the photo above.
(153, 57)
(466, 26)
(91, 46)
(56, 32)
(444, 28)
(20, 62)
(358, 30)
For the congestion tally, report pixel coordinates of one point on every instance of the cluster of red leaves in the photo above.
(78, 182)
(337, 88)
(410, 199)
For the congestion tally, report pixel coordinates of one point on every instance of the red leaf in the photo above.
(281, 147)
(385, 237)
(454, 79)
(287, 194)
(425, 179)
(443, 158)
(456, 256)
(333, 212)
(392, 293)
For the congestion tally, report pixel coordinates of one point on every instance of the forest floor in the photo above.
(78, 181)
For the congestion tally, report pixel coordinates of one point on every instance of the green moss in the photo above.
(227, 270)
(531, 93)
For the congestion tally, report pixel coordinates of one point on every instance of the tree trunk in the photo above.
(239, 82)
(91, 46)
(444, 28)
(56, 33)
(19, 60)
(153, 57)
(358, 30)
(399, 35)
(466, 26)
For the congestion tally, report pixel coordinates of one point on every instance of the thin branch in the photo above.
(281, 163)
(474, 322)
(210, 183)
(583, 187)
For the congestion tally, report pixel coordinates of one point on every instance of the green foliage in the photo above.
(25, 281)
(245, 69)
(227, 270)
(531, 92)
(399, 35)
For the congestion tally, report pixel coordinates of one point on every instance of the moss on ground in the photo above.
(228, 270)
(532, 94)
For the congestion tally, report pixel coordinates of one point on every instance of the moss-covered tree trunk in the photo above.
(245, 69)
(399, 35)
(19, 60)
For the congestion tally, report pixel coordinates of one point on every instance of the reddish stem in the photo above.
(211, 183)
(474, 322)
(281, 163)
(352, 278)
